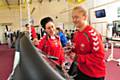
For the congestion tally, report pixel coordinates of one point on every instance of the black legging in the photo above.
(81, 76)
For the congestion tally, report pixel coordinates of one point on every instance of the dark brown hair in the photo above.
(45, 20)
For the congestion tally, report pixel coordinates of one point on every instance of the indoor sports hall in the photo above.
(31, 34)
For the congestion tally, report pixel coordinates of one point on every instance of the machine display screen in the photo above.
(100, 13)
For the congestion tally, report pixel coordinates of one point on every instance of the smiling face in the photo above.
(79, 17)
(50, 28)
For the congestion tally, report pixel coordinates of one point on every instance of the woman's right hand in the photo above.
(35, 42)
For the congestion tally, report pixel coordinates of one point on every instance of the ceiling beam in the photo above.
(18, 2)
(49, 0)
(32, 10)
(40, 1)
(30, 1)
(8, 4)
(22, 1)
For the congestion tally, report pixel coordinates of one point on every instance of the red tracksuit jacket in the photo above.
(52, 47)
(90, 52)
(34, 35)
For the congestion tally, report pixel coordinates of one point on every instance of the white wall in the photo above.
(51, 9)
(101, 2)
(111, 15)
(2, 37)
(10, 16)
